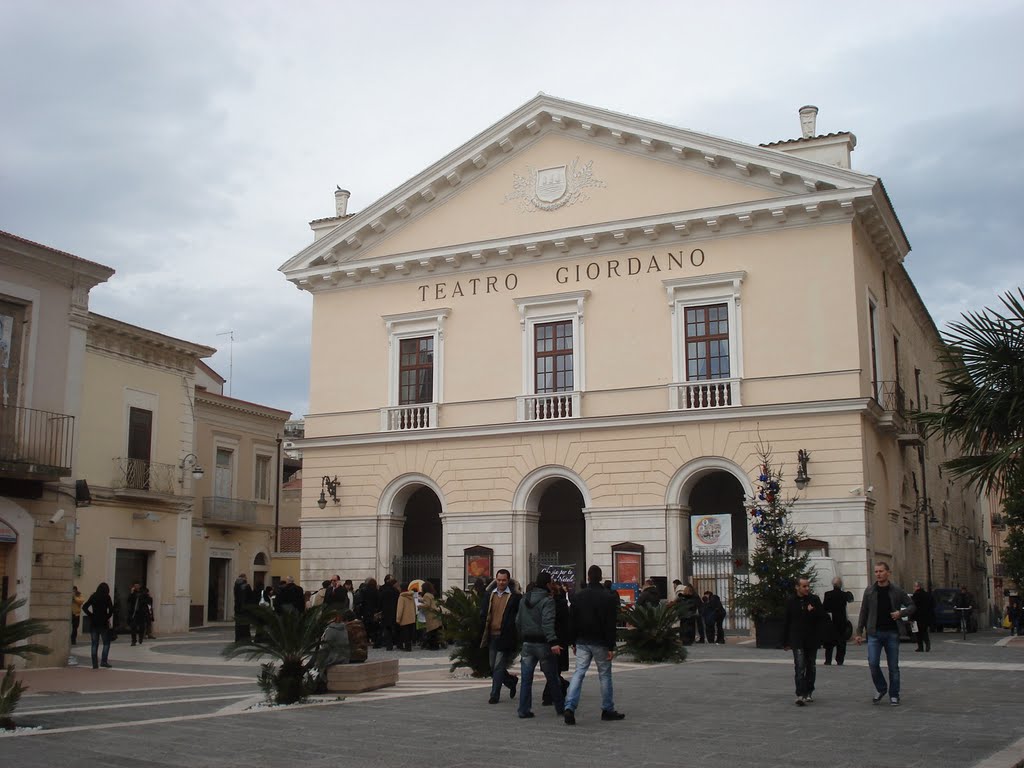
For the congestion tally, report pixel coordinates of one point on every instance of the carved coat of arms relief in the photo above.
(548, 189)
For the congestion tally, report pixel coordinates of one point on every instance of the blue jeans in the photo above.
(96, 633)
(533, 653)
(584, 654)
(499, 673)
(890, 640)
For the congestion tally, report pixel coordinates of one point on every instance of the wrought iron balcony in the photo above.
(704, 395)
(142, 475)
(218, 509)
(895, 413)
(35, 444)
(891, 397)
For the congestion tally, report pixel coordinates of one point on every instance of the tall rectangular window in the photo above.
(707, 343)
(553, 357)
(873, 333)
(224, 474)
(140, 441)
(262, 478)
(416, 370)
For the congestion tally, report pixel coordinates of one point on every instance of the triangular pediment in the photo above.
(555, 166)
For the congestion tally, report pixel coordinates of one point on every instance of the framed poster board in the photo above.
(628, 563)
(478, 564)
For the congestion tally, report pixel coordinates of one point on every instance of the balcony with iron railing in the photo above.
(145, 476)
(896, 413)
(218, 509)
(34, 444)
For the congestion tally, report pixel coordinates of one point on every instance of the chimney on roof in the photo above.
(341, 201)
(808, 121)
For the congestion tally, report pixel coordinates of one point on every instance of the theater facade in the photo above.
(565, 341)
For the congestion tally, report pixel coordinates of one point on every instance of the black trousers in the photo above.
(803, 669)
(840, 652)
(75, 621)
(924, 643)
(138, 629)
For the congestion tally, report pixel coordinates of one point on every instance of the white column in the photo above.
(389, 542)
(183, 571)
(676, 541)
(524, 543)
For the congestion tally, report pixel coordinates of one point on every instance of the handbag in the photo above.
(847, 631)
(1006, 622)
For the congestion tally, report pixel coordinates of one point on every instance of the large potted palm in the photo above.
(291, 639)
(13, 642)
(775, 563)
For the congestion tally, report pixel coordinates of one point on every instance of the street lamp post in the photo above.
(930, 521)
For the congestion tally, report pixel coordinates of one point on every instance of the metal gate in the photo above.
(430, 568)
(720, 571)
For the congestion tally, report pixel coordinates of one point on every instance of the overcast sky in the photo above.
(188, 145)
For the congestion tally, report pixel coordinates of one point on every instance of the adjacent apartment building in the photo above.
(564, 341)
(183, 478)
(44, 306)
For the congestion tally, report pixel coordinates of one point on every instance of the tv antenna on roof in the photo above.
(231, 358)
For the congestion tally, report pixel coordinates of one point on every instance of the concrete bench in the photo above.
(364, 676)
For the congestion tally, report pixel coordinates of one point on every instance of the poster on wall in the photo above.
(711, 532)
(479, 562)
(628, 567)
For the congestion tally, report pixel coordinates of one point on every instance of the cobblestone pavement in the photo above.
(175, 702)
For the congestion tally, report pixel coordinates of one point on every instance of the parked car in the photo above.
(946, 614)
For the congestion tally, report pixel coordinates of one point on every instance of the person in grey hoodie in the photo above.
(883, 605)
(535, 621)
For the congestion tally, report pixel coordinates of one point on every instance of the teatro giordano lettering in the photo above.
(577, 273)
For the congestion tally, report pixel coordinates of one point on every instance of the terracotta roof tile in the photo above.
(805, 138)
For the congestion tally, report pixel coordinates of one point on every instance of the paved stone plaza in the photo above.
(174, 702)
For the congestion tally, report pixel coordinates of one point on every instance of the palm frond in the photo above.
(651, 634)
(14, 634)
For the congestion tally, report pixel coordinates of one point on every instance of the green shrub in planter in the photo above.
(651, 634)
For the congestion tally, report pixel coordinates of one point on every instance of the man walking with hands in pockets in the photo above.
(883, 605)
(594, 611)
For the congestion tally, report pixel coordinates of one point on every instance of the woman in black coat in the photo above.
(100, 610)
(689, 607)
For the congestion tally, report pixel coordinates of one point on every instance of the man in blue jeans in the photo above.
(498, 612)
(594, 611)
(884, 604)
(536, 623)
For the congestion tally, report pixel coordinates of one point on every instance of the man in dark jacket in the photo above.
(883, 605)
(649, 595)
(243, 599)
(388, 611)
(594, 611)
(835, 602)
(924, 616)
(563, 631)
(535, 621)
(714, 618)
(290, 597)
(800, 633)
(498, 612)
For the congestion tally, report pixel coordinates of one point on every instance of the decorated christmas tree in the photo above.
(776, 563)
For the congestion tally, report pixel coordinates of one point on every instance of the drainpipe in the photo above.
(924, 493)
(277, 500)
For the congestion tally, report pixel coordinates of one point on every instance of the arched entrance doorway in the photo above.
(561, 529)
(717, 531)
(422, 539)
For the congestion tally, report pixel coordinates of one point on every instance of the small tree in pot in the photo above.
(775, 563)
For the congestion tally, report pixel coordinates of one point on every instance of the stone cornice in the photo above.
(545, 114)
(53, 264)
(130, 342)
(695, 226)
(205, 397)
(852, 405)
